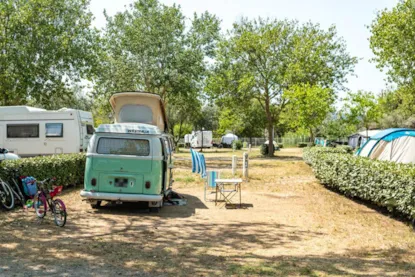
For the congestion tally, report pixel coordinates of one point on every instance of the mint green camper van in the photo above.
(130, 160)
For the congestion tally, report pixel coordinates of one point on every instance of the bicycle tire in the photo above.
(21, 197)
(59, 212)
(39, 202)
(7, 197)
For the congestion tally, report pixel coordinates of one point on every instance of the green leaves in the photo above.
(383, 183)
(46, 46)
(393, 32)
(264, 59)
(308, 106)
(67, 169)
(361, 109)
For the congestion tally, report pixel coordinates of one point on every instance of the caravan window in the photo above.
(119, 146)
(23, 131)
(54, 130)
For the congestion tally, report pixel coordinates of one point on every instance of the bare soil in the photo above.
(290, 225)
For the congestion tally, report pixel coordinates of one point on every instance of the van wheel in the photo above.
(96, 205)
(154, 209)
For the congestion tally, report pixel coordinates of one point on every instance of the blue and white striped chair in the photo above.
(199, 166)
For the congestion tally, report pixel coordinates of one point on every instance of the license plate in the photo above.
(121, 182)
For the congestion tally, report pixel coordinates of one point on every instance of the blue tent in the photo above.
(396, 144)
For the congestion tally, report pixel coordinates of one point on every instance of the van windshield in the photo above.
(121, 146)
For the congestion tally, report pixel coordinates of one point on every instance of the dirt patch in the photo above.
(291, 226)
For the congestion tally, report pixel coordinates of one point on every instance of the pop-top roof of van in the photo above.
(129, 128)
(139, 107)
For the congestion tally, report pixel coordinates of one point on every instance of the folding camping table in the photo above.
(228, 188)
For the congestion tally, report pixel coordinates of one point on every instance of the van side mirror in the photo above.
(4, 151)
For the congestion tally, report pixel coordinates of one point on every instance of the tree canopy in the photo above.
(262, 59)
(46, 46)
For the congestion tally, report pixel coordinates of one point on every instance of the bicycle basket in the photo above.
(56, 191)
(29, 186)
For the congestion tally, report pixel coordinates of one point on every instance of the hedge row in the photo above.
(386, 184)
(67, 169)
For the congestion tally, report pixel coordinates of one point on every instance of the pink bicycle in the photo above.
(44, 198)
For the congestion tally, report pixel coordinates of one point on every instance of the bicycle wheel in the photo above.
(6, 196)
(39, 202)
(59, 212)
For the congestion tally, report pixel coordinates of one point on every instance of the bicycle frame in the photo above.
(19, 195)
(48, 200)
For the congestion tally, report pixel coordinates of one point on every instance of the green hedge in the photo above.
(67, 168)
(386, 184)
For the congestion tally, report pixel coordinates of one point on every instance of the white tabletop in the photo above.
(234, 181)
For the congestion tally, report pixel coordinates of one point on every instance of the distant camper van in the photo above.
(29, 131)
(130, 160)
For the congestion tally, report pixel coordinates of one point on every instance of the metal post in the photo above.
(245, 166)
(234, 161)
(249, 148)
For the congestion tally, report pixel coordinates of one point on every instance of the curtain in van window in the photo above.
(136, 113)
(54, 129)
(120, 146)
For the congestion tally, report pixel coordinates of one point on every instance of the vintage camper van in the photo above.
(130, 160)
(29, 131)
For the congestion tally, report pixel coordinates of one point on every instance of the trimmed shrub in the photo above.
(237, 145)
(264, 149)
(66, 168)
(302, 145)
(386, 184)
(280, 145)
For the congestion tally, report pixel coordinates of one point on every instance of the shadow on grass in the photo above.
(175, 242)
(135, 246)
(136, 210)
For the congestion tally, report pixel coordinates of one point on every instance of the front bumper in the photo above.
(121, 196)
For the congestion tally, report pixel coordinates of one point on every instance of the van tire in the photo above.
(97, 205)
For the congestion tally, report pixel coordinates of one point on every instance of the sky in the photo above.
(351, 17)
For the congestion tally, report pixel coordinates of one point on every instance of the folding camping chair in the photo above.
(210, 182)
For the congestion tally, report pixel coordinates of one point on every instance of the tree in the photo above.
(361, 109)
(207, 118)
(261, 59)
(308, 106)
(46, 46)
(182, 113)
(243, 119)
(149, 47)
(393, 33)
(336, 126)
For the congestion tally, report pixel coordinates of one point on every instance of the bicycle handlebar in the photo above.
(53, 179)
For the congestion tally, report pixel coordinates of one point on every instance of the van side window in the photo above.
(90, 130)
(22, 130)
(167, 144)
(120, 146)
(54, 130)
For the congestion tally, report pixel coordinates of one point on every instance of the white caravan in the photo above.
(196, 139)
(29, 131)
(187, 140)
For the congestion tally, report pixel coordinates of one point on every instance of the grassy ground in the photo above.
(290, 226)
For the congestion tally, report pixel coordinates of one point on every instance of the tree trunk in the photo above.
(270, 129)
(311, 136)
